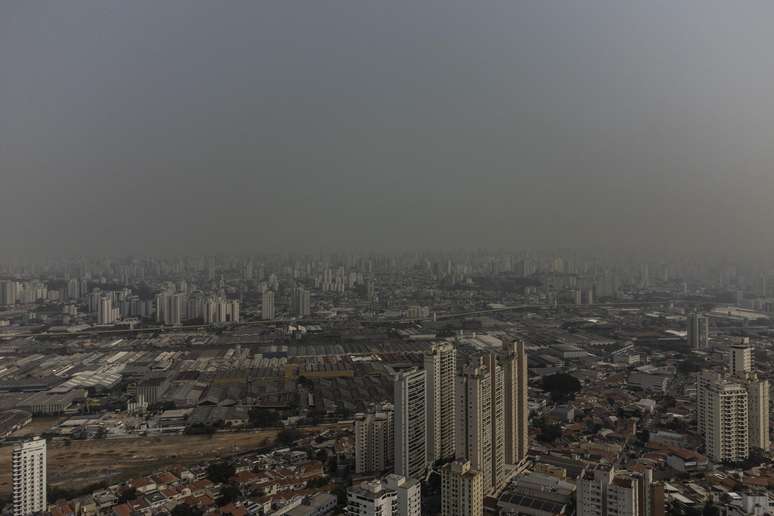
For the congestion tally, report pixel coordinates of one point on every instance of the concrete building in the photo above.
(741, 358)
(371, 499)
(441, 369)
(410, 442)
(592, 490)
(374, 440)
(726, 424)
(106, 314)
(219, 311)
(742, 367)
(462, 490)
(516, 404)
(173, 309)
(267, 305)
(28, 473)
(73, 289)
(698, 331)
(300, 302)
(758, 411)
(601, 491)
(393, 496)
(409, 495)
(8, 292)
(480, 432)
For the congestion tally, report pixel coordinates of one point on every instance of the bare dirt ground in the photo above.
(82, 463)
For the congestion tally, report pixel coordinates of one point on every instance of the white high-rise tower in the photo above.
(441, 367)
(28, 473)
(267, 305)
(410, 442)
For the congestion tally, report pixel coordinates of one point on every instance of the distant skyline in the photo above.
(195, 127)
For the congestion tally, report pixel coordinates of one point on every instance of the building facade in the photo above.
(28, 473)
(441, 369)
(462, 490)
(374, 440)
(410, 424)
(516, 404)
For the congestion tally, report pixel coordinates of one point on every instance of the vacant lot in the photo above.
(86, 462)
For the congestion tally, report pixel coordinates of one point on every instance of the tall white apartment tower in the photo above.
(592, 490)
(741, 358)
(757, 394)
(516, 404)
(28, 473)
(698, 331)
(105, 313)
(441, 369)
(374, 439)
(480, 420)
(173, 309)
(409, 495)
(267, 305)
(726, 425)
(410, 424)
(758, 412)
(462, 490)
(300, 302)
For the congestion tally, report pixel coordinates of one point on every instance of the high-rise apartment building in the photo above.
(267, 305)
(173, 309)
(462, 490)
(516, 404)
(698, 331)
(393, 496)
(408, 495)
(726, 423)
(742, 367)
(73, 289)
(441, 368)
(374, 439)
(28, 474)
(733, 410)
(480, 416)
(219, 310)
(371, 499)
(603, 491)
(105, 313)
(300, 302)
(8, 292)
(758, 411)
(410, 442)
(741, 358)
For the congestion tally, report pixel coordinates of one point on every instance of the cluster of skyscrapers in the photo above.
(473, 417)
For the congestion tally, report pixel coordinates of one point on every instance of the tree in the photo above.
(228, 493)
(127, 494)
(710, 510)
(220, 472)
(184, 509)
(288, 436)
(304, 381)
(262, 418)
(561, 386)
(550, 433)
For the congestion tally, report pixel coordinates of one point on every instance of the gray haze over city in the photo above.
(187, 127)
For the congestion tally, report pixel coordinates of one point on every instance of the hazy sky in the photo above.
(184, 127)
